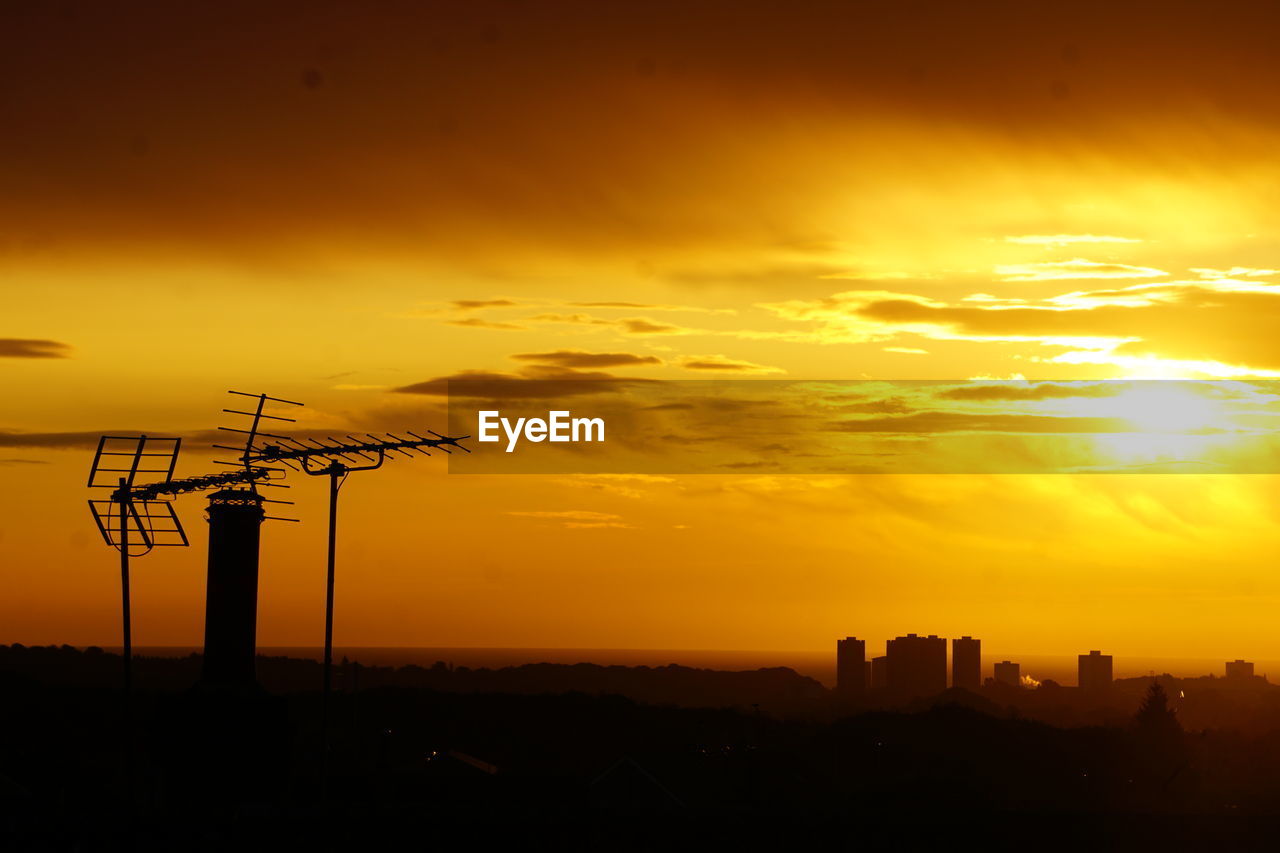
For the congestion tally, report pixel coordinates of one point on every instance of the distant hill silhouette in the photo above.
(776, 689)
(1248, 705)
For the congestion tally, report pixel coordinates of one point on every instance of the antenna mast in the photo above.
(138, 517)
(135, 519)
(335, 458)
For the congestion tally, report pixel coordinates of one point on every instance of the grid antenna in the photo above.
(126, 520)
(136, 518)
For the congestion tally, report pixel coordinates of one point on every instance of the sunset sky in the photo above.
(343, 203)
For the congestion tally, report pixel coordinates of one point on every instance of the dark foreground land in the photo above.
(413, 766)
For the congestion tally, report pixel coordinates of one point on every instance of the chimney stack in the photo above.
(231, 599)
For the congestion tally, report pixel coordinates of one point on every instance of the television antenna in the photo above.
(136, 518)
(335, 458)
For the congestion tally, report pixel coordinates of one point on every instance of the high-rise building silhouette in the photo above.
(916, 666)
(966, 663)
(851, 658)
(1239, 669)
(880, 672)
(1094, 672)
(1008, 672)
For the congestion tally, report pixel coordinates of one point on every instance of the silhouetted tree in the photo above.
(1155, 717)
(1160, 750)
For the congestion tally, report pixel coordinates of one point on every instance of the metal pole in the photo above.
(335, 472)
(127, 657)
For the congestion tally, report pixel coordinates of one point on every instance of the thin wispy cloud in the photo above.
(1215, 328)
(582, 359)
(1233, 272)
(651, 306)
(989, 299)
(481, 323)
(725, 364)
(76, 440)
(474, 304)
(536, 381)
(1066, 239)
(1072, 269)
(33, 348)
(644, 326)
(577, 519)
(627, 325)
(631, 486)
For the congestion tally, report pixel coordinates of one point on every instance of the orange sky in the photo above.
(339, 203)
